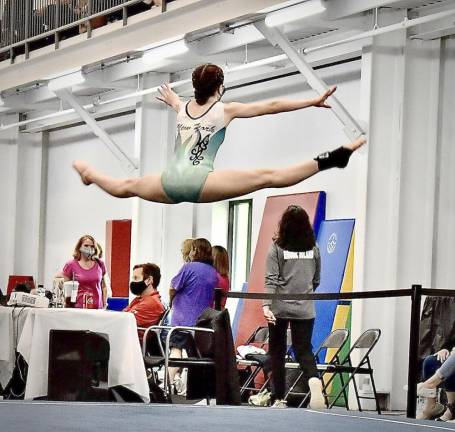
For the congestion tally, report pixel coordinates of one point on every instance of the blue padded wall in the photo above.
(334, 239)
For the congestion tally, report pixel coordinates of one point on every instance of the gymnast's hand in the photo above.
(268, 315)
(169, 97)
(321, 100)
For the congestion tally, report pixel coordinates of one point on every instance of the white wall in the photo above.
(73, 209)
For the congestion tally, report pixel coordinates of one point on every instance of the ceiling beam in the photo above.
(436, 29)
(343, 8)
(20, 103)
(128, 163)
(351, 127)
(228, 40)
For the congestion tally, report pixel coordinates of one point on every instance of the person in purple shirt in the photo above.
(192, 291)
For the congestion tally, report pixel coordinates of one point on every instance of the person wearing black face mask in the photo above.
(146, 307)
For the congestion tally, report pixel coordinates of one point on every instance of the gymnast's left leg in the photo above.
(147, 187)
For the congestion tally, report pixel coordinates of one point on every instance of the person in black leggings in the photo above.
(293, 267)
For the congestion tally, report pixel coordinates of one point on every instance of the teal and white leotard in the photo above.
(196, 145)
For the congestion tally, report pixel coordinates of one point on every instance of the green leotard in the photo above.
(196, 145)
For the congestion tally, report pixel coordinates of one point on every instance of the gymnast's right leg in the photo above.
(147, 187)
(228, 184)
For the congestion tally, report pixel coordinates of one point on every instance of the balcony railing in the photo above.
(27, 25)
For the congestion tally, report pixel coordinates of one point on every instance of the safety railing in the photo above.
(415, 294)
(26, 25)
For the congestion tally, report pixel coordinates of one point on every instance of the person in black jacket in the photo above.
(293, 267)
(223, 380)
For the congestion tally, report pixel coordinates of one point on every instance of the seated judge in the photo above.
(146, 306)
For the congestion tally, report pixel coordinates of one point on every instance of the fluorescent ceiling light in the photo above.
(162, 42)
(280, 6)
(66, 81)
(295, 13)
(60, 74)
(168, 50)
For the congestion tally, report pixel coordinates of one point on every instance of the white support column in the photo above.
(8, 186)
(30, 191)
(376, 247)
(351, 127)
(127, 162)
(21, 163)
(395, 233)
(158, 229)
(444, 234)
(150, 143)
(418, 187)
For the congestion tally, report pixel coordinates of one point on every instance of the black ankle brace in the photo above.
(338, 158)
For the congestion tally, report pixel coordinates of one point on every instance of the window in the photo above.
(239, 241)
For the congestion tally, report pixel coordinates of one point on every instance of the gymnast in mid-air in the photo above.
(201, 128)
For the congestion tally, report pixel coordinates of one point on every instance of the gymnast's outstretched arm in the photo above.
(246, 110)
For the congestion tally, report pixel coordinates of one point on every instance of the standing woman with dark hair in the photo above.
(201, 128)
(293, 267)
(221, 264)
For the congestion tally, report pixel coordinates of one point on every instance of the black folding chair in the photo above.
(156, 355)
(253, 366)
(366, 342)
(153, 355)
(335, 340)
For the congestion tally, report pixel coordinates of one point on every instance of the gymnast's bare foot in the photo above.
(83, 169)
(356, 144)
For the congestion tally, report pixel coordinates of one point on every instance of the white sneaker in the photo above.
(179, 386)
(260, 399)
(317, 398)
(425, 392)
(447, 416)
(280, 403)
(432, 413)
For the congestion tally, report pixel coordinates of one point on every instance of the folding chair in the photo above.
(260, 339)
(149, 345)
(152, 349)
(160, 355)
(335, 340)
(366, 341)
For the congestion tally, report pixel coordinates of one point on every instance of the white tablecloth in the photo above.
(126, 366)
(11, 324)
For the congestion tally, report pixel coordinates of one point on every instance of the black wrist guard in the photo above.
(338, 158)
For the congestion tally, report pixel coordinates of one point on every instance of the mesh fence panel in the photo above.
(21, 19)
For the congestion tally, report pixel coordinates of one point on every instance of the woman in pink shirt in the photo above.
(221, 264)
(89, 271)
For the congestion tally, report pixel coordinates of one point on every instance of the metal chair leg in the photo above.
(345, 394)
(378, 409)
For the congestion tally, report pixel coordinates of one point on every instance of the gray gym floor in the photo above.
(22, 416)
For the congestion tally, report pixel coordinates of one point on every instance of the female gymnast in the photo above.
(201, 128)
